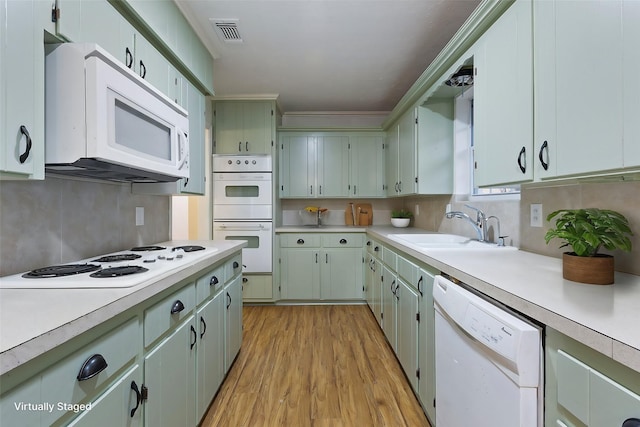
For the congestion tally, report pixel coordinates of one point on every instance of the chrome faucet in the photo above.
(479, 224)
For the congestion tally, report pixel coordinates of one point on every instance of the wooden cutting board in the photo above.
(360, 207)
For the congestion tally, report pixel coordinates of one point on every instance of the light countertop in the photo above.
(34, 321)
(321, 229)
(605, 318)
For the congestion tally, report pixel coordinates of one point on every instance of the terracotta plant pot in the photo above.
(595, 270)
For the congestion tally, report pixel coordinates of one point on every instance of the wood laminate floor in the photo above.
(314, 366)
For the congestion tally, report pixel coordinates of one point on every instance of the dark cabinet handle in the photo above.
(245, 280)
(24, 156)
(543, 148)
(213, 281)
(354, 190)
(393, 284)
(228, 300)
(143, 70)
(631, 422)
(300, 241)
(522, 162)
(194, 334)
(420, 286)
(235, 265)
(239, 145)
(311, 189)
(368, 242)
(343, 241)
(134, 387)
(128, 58)
(177, 307)
(92, 367)
(186, 182)
(246, 146)
(376, 249)
(316, 257)
(203, 328)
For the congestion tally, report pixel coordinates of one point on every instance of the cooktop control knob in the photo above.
(254, 162)
(237, 162)
(246, 162)
(229, 162)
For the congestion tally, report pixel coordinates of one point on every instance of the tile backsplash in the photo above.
(60, 220)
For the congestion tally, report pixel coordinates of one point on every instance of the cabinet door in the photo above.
(366, 160)
(407, 153)
(389, 305)
(69, 20)
(150, 64)
(114, 406)
(299, 274)
(22, 89)
(377, 291)
(233, 321)
(407, 338)
(579, 114)
(195, 184)
(258, 123)
(368, 280)
(503, 100)
(426, 343)
(435, 147)
(210, 357)
(333, 166)
(172, 391)
(391, 161)
(297, 165)
(228, 122)
(341, 274)
(631, 89)
(101, 24)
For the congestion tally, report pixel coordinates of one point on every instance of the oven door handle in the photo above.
(239, 228)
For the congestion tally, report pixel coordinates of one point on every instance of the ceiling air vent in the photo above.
(227, 30)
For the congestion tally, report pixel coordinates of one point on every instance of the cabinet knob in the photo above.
(631, 422)
(214, 281)
(343, 241)
(92, 367)
(177, 307)
(235, 264)
(300, 241)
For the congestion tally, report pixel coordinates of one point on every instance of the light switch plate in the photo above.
(139, 215)
(536, 214)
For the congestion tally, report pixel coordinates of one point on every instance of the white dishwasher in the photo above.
(488, 362)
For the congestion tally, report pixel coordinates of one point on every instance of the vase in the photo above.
(400, 222)
(594, 270)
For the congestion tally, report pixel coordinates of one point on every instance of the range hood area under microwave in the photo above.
(105, 122)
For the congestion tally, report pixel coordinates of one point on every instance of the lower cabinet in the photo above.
(389, 306)
(159, 364)
(321, 266)
(586, 388)
(426, 341)
(408, 318)
(257, 288)
(170, 376)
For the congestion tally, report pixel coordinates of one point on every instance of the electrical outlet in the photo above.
(536, 215)
(139, 215)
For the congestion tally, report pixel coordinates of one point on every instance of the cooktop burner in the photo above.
(188, 248)
(119, 257)
(148, 248)
(124, 270)
(60, 270)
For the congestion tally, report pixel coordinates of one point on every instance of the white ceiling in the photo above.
(326, 55)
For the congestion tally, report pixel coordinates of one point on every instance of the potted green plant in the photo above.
(401, 218)
(587, 231)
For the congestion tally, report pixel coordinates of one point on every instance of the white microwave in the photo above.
(103, 121)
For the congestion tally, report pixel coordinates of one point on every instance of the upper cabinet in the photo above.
(22, 89)
(401, 170)
(244, 127)
(503, 99)
(587, 99)
(331, 164)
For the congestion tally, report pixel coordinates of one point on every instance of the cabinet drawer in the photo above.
(346, 240)
(258, 287)
(299, 240)
(573, 386)
(210, 283)
(60, 383)
(159, 318)
(389, 257)
(233, 267)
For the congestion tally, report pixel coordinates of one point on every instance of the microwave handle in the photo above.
(183, 148)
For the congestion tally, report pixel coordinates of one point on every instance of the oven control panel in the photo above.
(242, 163)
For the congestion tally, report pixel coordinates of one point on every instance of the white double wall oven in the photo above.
(243, 206)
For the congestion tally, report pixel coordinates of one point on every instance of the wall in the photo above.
(336, 210)
(60, 220)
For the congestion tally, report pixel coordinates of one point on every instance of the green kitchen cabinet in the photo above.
(244, 127)
(366, 165)
(503, 99)
(22, 89)
(298, 163)
(426, 341)
(233, 320)
(108, 408)
(257, 288)
(407, 330)
(299, 274)
(586, 388)
(435, 147)
(210, 318)
(389, 306)
(401, 173)
(170, 376)
(332, 156)
(588, 126)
